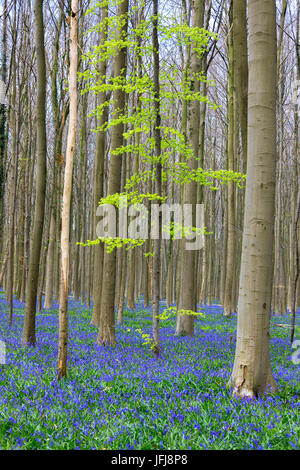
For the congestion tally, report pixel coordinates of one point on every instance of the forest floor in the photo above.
(123, 398)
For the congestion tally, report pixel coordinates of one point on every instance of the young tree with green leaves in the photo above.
(107, 316)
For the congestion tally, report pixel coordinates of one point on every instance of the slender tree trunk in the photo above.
(231, 241)
(50, 264)
(3, 115)
(240, 54)
(67, 192)
(295, 222)
(98, 181)
(297, 270)
(13, 184)
(157, 136)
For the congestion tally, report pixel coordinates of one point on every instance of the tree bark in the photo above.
(188, 284)
(106, 334)
(67, 193)
(252, 374)
(39, 209)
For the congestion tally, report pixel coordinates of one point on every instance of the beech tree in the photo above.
(99, 177)
(39, 208)
(252, 374)
(157, 153)
(107, 315)
(188, 293)
(66, 202)
(168, 113)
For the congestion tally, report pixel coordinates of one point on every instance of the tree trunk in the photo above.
(252, 374)
(39, 209)
(106, 334)
(67, 192)
(187, 296)
(50, 265)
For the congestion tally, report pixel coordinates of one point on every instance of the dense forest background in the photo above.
(158, 93)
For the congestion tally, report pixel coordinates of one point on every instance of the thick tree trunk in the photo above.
(252, 374)
(187, 296)
(106, 334)
(67, 192)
